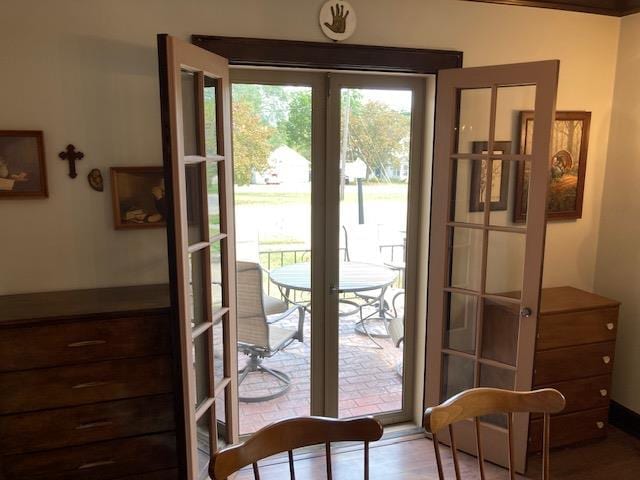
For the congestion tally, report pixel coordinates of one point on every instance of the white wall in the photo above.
(85, 72)
(618, 266)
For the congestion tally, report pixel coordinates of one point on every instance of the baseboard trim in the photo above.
(625, 419)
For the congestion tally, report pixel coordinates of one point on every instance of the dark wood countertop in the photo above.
(83, 303)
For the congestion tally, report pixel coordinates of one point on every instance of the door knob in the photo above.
(525, 312)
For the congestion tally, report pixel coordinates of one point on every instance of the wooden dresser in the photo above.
(575, 345)
(86, 385)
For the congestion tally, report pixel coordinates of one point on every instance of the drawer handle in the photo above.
(102, 463)
(90, 385)
(86, 343)
(610, 326)
(603, 392)
(606, 359)
(96, 424)
(600, 425)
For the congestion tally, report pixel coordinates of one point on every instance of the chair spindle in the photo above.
(454, 453)
(256, 472)
(366, 460)
(328, 455)
(292, 471)
(479, 448)
(546, 446)
(436, 448)
(512, 472)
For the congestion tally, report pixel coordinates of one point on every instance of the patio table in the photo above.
(354, 277)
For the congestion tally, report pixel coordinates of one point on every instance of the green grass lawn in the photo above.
(372, 193)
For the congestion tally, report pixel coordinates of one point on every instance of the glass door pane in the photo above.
(272, 130)
(375, 153)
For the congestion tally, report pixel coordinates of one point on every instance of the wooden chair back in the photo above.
(476, 402)
(287, 435)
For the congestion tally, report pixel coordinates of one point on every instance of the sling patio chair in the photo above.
(258, 335)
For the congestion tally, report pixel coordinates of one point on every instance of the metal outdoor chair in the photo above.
(362, 245)
(287, 435)
(476, 402)
(258, 335)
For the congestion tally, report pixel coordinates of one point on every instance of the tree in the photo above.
(297, 127)
(251, 142)
(377, 135)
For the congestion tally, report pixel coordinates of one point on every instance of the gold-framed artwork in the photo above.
(569, 147)
(23, 172)
(138, 197)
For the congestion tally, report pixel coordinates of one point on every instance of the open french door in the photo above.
(195, 101)
(485, 263)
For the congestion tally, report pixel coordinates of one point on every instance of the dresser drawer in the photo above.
(23, 348)
(82, 384)
(63, 427)
(566, 329)
(583, 394)
(571, 428)
(98, 461)
(160, 475)
(572, 363)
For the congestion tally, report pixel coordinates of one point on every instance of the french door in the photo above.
(485, 263)
(196, 111)
(330, 215)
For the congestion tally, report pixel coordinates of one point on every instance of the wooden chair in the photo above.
(476, 402)
(287, 435)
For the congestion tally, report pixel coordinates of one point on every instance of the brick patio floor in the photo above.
(368, 381)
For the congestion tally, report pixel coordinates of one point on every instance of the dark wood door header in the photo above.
(616, 8)
(330, 56)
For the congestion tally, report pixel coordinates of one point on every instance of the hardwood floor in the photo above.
(409, 458)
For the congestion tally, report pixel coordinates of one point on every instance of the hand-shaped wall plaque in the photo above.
(337, 20)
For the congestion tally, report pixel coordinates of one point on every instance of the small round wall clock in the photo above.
(337, 20)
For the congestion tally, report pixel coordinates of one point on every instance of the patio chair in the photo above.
(362, 244)
(258, 336)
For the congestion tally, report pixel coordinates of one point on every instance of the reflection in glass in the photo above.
(466, 191)
(466, 258)
(460, 328)
(505, 263)
(201, 367)
(195, 298)
(218, 351)
(216, 276)
(213, 198)
(500, 326)
(510, 102)
(457, 375)
(195, 201)
(189, 112)
(205, 450)
(210, 114)
(496, 377)
(473, 126)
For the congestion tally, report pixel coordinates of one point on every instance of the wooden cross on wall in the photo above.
(71, 155)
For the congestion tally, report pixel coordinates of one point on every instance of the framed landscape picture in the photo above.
(569, 146)
(22, 167)
(138, 197)
(499, 178)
